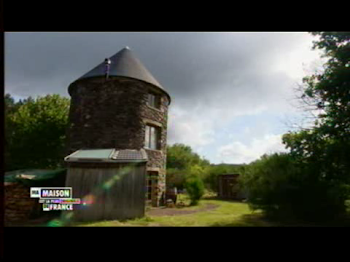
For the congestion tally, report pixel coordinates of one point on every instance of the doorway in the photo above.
(152, 188)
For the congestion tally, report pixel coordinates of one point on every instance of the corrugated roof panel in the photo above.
(129, 155)
(107, 155)
(93, 153)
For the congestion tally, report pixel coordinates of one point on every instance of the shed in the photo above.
(228, 187)
(109, 182)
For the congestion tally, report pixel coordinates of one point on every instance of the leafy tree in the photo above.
(35, 132)
(10, 107)
(312, 181)
(326, 147)
(180, 160)
(181, 156)
(176, 177)
(329, 92)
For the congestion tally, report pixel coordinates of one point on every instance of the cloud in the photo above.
(213, 78)
(189, 129)
(237, 152)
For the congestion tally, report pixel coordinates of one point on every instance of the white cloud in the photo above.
(237, 152)
(187, 128)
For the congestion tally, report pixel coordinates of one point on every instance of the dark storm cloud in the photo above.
(192, 66)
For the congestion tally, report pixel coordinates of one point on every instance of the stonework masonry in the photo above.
(18, 206)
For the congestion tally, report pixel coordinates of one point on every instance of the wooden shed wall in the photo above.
(228, 186)
(117, 192)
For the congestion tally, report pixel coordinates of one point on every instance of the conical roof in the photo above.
(124, 63)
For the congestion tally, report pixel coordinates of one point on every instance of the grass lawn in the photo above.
(226, 213)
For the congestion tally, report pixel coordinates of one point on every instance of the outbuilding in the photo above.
(111, 183)
(228, 187)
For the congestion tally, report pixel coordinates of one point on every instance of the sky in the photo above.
(233, 93)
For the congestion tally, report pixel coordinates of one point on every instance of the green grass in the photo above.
(228, 213)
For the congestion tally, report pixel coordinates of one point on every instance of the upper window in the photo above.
(152, 136)
(153, 100)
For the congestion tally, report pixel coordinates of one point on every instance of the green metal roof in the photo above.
(107, 155)
(92, 153)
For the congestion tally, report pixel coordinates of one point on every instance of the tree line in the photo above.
(35, 132)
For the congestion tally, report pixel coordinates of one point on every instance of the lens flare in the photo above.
(88, 199)
(107, 185)
(55, 223)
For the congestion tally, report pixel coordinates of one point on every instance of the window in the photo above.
(152, 135)
(153, 100)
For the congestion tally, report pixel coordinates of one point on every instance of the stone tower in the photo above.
(120, 105)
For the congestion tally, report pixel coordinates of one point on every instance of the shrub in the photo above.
(282, 187)
(194, 185)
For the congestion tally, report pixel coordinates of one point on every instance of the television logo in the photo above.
(51, 192)
(35, 192)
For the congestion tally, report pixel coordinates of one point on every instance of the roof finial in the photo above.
(107, 67)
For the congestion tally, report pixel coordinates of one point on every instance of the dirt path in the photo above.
(158, 212)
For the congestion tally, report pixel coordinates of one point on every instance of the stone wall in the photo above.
(106, 114)
(19, 206)
(157, 158)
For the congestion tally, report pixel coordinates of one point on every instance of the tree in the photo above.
(181, 156)
(329, 141)
(324, 150)
(10, 107)
(312, 181)
(176, 177)
(180, 160)
(35, 132)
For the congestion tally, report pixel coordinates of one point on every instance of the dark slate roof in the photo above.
(107, 155)
(124, 63)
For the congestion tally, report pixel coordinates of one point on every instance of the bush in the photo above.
(194, 185)
(282, 187)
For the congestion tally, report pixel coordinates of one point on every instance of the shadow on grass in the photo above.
(260, 220)
(215, 198)
(248, 220)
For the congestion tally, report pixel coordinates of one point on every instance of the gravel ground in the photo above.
(177, 211)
